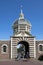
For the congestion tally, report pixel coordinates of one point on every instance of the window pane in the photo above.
(4, 48)
(40, 47)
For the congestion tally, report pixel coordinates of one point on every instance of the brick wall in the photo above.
(38, 53)
(7, 54)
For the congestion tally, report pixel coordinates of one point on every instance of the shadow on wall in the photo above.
(40, 58)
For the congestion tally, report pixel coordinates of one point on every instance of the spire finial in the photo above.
(21, 6)
(21, 9)
(21, 14)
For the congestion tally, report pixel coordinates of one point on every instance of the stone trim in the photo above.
(11, 48)
(34, 49)
(38, 48)
(21, 37)
(2, 49)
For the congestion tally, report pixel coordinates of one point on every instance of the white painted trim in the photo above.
(11, 48)
(4, 45)
(34, 49)
(38, 48)
(2, 49)
(40, 44)
(26, 28)
(31, 46)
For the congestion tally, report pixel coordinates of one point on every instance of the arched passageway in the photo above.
(26, 48)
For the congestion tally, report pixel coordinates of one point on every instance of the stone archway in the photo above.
(26, 48)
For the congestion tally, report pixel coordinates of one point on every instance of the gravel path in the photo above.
(21, 62)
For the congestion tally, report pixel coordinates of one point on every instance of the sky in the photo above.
(10, 10)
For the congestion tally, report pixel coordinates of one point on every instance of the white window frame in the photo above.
(38, 48)
(2, 49)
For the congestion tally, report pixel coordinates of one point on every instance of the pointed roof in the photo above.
(21, 20)
(21, 14)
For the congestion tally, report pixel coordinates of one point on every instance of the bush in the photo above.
(40, 58)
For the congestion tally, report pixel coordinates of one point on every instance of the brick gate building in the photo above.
(21, 35)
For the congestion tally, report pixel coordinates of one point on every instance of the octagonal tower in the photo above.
(21, 26)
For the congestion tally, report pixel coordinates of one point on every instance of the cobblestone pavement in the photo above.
(21, 62)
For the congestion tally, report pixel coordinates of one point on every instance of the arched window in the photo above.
(4, 48)
(40, 47)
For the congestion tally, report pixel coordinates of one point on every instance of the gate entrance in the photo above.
(23, 49)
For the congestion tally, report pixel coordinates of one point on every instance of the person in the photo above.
(20, 51)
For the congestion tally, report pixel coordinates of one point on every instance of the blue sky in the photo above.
(10, 10)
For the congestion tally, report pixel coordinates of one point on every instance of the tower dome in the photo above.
(21, 25)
